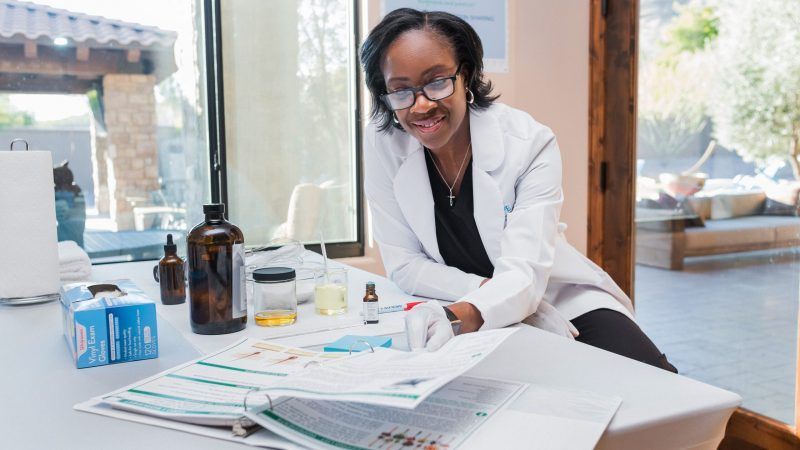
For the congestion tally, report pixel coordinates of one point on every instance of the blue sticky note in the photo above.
(356, 343)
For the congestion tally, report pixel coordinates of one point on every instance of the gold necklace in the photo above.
(458, 174)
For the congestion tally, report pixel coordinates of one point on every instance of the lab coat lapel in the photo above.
(412, 190)
(488, 153)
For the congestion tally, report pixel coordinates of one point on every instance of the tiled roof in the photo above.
(35, 22)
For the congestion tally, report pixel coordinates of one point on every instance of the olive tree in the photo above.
(674, 81)
(756, 96)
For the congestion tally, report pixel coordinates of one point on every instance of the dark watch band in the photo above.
(455, 322)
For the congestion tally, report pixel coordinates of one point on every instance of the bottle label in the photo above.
(370, 311)
(239, 290)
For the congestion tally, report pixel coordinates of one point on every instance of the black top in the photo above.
(456, 231)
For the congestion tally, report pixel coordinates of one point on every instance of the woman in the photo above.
(466, 195)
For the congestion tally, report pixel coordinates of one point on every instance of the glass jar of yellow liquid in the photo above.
(275, 292)
(330, 291)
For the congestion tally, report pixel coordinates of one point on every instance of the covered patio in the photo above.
(116, 64)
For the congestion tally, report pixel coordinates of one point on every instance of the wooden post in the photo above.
(612, 137)
(30, 49)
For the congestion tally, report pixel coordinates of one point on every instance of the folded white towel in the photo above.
(73, 262)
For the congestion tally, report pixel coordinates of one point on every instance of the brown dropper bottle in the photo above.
(215, 253)
(370, 304)
(171, 275)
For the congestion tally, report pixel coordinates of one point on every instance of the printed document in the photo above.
(390, 377)
(443, 421)
(213, 390)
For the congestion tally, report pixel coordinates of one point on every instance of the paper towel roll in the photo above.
(28, 240)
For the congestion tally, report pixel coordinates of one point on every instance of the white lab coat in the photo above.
(516, 173)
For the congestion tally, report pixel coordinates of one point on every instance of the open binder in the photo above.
(256, 383)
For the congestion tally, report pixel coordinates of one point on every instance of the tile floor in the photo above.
(730, 321)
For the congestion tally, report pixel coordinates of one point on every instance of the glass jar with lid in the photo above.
(274, 296)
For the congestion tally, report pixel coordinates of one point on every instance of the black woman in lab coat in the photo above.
(465, 195)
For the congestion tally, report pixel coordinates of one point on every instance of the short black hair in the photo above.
(466, 45)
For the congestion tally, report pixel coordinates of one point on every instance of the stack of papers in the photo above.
(214, 389)
(368, 400)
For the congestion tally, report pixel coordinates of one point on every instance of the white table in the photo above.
(40, 384)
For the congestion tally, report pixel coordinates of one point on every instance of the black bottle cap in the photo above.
(214, 208)
(272, 274)
(170, 247)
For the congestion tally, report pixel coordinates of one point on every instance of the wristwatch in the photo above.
(455, 322)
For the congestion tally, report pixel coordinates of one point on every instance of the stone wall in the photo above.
(132, 163)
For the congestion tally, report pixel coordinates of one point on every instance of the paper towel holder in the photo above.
(38, 298)
(14, 141)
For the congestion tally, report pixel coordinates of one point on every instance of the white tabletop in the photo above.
(40, 382)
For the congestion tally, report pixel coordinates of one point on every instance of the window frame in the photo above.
(212, 35)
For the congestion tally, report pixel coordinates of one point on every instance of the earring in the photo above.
(395, 119)
(470, 96)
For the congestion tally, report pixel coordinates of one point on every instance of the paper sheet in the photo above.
(390, 377)
(548, 417)
(261, 438)
(443, 421)
(212, 389)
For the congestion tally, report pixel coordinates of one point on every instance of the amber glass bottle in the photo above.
(170, 275)
(215, 253)
(370, 304)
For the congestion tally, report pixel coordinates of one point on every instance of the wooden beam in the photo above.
(45, 84)
(747, 429)
(30, 49)
(82, 53)
(134, 55)
(53, 62)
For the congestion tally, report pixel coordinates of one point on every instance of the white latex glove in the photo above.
(548, 318)
(427, 327)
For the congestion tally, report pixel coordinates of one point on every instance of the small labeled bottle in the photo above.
(215, 253)
(370, 304)
(171, 275)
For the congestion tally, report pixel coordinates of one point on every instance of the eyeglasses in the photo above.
(437, 89)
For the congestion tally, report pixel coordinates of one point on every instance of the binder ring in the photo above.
(14, 141)
(350, 349)
(256, 390)
(244, 426)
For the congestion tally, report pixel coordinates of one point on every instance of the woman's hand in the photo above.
(470, 317)
(427, 327)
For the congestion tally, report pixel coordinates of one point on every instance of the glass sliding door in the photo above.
(717, 243)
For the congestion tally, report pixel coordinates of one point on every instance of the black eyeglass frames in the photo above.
(437, 89)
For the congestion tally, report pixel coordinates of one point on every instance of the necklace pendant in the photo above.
(451, 197)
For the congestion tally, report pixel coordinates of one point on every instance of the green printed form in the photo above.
(214, 387)
(446, 418)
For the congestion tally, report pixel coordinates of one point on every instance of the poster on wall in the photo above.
(488, 17)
